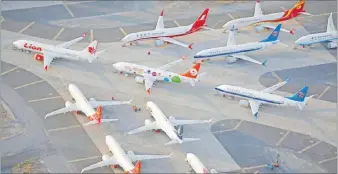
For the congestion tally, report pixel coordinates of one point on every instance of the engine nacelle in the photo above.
(38, 57)
(259, 28)
(244, 103)
(231, 60)
(139, 79)
(213, 171)
(332, 45)
(147, 122)
(159, 43)
(180, 131)
(68, 103)
(105, 157)
(171, 118)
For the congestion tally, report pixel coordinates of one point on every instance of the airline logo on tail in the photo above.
(193, 71)
(91, 50)
(200, 22)
(98, 115)
(137, 168)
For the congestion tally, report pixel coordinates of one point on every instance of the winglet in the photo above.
(84, 34)
(211, 120)
(287, 79)
(162, 12)
(264, 63)
(46, 68)
(233, 28)
(190, 46)
(171, 154)
(148, 91)
(255, 115)
(292, 31)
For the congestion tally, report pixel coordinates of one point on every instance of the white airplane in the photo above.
(87, 107)
(148, 75)
(261, 21)
(47, 53)
(172, 127)
(124, 160)
(234, 52)
(162, 34)
(256, 98)
(330, 36)
(197, 165)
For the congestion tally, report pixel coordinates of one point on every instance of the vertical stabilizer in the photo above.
(231, 37)
(258, 10)
(330, 26)
(160, 23)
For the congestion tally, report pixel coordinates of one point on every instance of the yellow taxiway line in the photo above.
(59, 33)
(283, 138)
(26, 27)
(68, 9)
(123, 32)
(83, 159)
(325, 90)
(275, 75)
(28, 84)
(231, 16)
(177, 23)
(309, 147)
(8, 71)
(326, 160)
(91, 35)
(43, 99)
(2, 19)
(63, 128)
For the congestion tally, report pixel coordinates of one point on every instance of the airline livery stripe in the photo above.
(246, 96)
(221, 54)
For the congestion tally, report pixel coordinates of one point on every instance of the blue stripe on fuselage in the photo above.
(255, 98)
(221, 54)
(315, 42)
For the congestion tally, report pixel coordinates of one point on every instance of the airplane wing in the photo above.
(270, 26)
(147, 157)
(254, 107)
(275, 87)
(72, 42)
(160, 23)
(231, 37)
(247, 58)
(69, 108)
(95, 103)
(147, 127)
(185, 122)
(167, 66)
(148, 82)
(110, 161)
(173, 41)
(47, 59)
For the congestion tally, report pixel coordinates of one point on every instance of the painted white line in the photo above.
(326, 160)
(214, 26)
(26, 27)
(8, 71)
(58, 34)
(83, 159)
(67, 8)
(231, 16)
(123, 32)
(282, 139)
(325, 90)
(176, 23)
(309, 147)
(283, 8)
(43, 99)
(238, 125)
(28, 84)
(254, 167)
(227, 130)
(63, 128)
(77, 2)
(91, 35)
(275, 75)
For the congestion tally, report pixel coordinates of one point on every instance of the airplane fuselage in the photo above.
(163, 122)
(81, 100)
(317, 38)
(249, 94)
(140, 70)
(196, 164)
(233, 49)
(119, 154)
(39, 48)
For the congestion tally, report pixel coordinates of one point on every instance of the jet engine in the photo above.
(213, 171)
(68, 103)
(244, 103)
(180, 131)
(38, 57)
(147, 122)
(159, 43)
(259, 28)
(171, 118)
(231, 60)
(105, 157)
(332, 45)
(139, 79)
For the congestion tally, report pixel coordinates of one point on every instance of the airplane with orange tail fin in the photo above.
(261, 21)
(87, 107)
(148, 75)
(46, 53)
(124, 160)
(162, 34)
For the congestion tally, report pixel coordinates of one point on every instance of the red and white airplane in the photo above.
(124, 160)
(47, 53)
(87, 107)
(196, 164)
(161, 34)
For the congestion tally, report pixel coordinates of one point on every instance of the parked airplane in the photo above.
(329, 37)
(197, 165)
(161, 34)
(256, 98)
(124, 160)
(261, 21)
(148, 75)
(87, 107)
(172, 127)
(234, 52)
(47, 53)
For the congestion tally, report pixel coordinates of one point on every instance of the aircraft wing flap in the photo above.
(69, 108)
(147, 157)
(254, 107)
(173, 41)
(186, 122)
(247, 58)
(271, 26)
(275, 87)
(147, 127)
(72, 42)
(167, 66)
(95, 103)
(110, 161)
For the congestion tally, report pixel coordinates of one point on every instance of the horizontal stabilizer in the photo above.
(183, 141)
(102, 121)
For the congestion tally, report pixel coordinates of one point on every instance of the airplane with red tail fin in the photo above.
(162, 34)
(87, 107)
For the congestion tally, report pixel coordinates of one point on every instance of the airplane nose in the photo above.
(116, 66)
(125, 38)
(16, 43)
